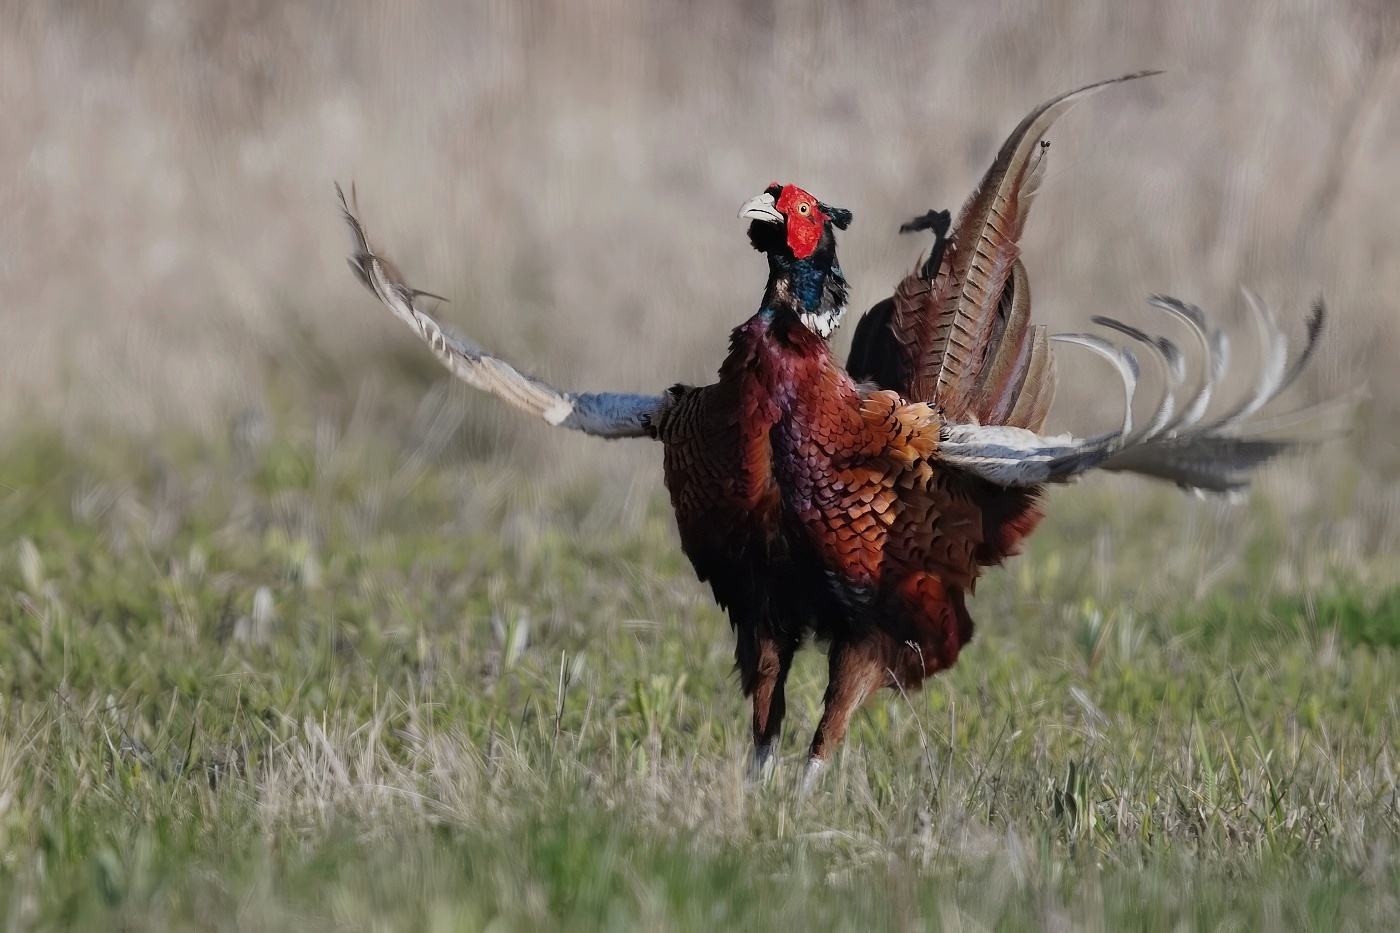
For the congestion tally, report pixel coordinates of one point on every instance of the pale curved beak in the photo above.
(761, 208)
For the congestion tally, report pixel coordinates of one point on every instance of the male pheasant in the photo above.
(860, 506)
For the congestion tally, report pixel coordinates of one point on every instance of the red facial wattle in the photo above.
(805, 220)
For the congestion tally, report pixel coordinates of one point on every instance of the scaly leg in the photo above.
(763, 660)
(769, 699)
(858, 669)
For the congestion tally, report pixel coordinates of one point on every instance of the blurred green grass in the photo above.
(301, 679)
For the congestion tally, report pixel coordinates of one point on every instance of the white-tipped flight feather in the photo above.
(1217, 456)
(605, 414)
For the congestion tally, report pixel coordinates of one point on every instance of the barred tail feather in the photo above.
(955, 332)
(984, 254)
(1037, 390)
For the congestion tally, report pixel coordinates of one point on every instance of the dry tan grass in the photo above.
(568, 172)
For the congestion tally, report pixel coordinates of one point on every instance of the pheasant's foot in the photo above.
(765, 761)
(810, 775)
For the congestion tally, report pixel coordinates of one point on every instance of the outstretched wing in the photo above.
(957, 331)
(603, 414)
(1177, 444)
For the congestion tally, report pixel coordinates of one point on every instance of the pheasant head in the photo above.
(797, 234)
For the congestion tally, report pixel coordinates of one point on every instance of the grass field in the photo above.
(295, 634)
(322, 681)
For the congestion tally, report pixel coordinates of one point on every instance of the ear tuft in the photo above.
(839, 216)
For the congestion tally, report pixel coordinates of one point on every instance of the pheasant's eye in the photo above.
(803, 209)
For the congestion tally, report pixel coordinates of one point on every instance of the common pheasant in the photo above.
(859, 505)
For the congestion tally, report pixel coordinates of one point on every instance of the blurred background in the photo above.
(171, 256)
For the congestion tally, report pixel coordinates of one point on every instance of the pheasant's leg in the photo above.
(858, 669)
(769, 698)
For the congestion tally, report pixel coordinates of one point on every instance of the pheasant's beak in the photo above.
(761, 208)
